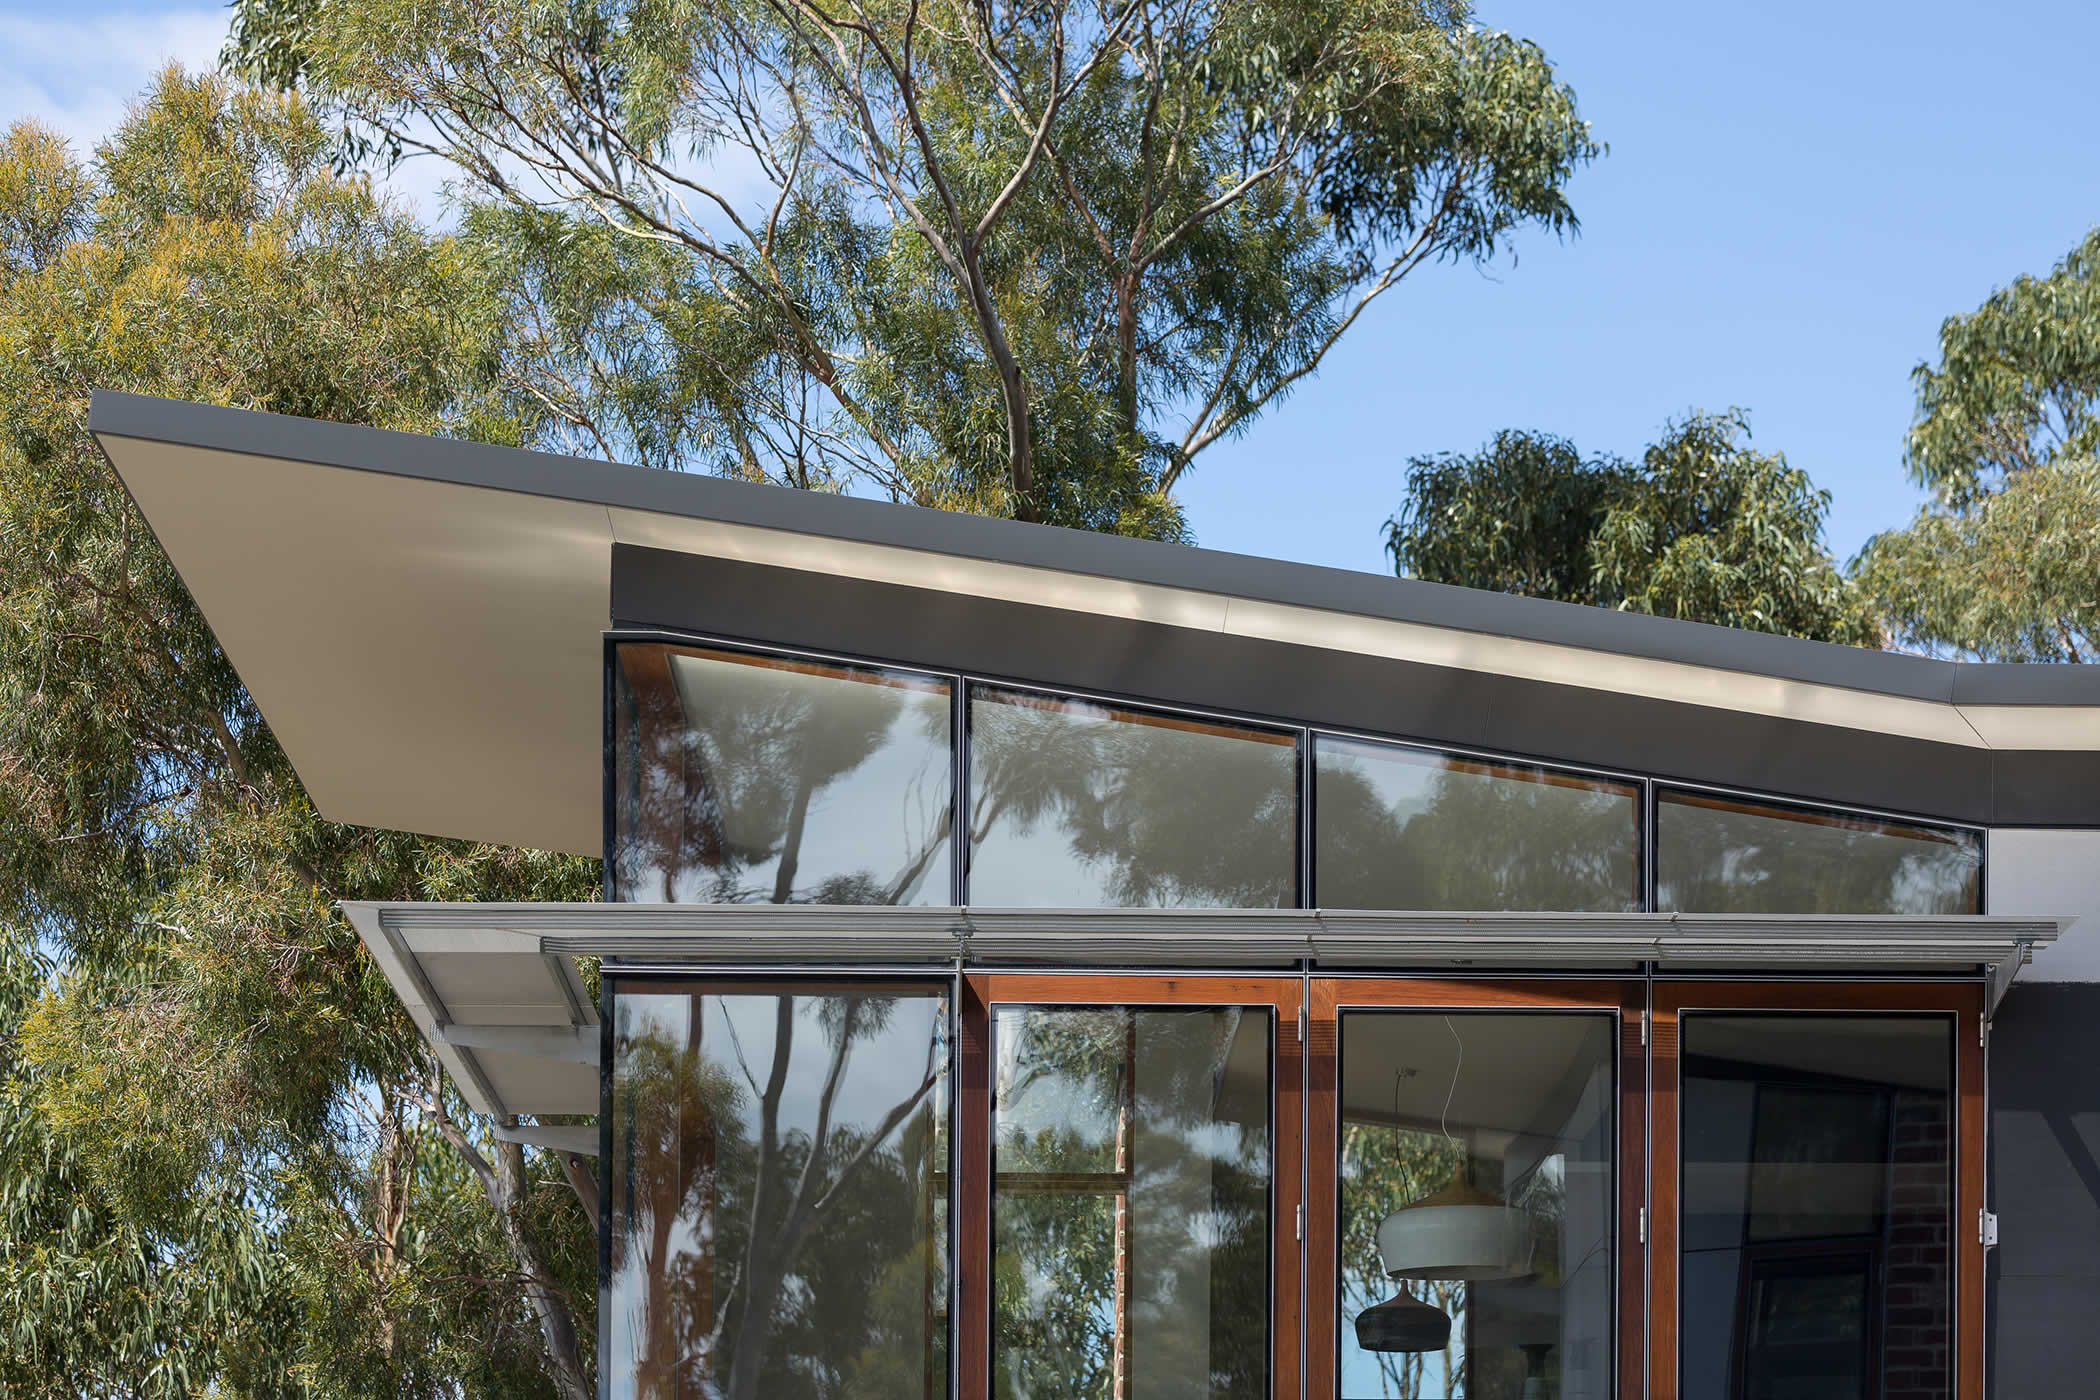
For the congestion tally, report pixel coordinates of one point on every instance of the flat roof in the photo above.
(420, 620)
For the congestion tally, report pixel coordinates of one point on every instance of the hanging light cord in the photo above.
(1443, 1121)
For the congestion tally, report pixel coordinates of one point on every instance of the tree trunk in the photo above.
(1126, 354)
(557, 1324)
(791, 839)
(1013, 386)
(1020, 449)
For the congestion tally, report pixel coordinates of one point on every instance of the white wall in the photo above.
(2050, 872)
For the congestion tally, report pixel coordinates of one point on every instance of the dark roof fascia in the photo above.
(617, 485)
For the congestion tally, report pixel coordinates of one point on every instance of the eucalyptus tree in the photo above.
(1030, 259)
(2005, 565)
(227, 1164)
(1703, 527)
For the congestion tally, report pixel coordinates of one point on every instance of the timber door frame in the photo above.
(1282, 996)
(1625, 999)
(1963, 1001)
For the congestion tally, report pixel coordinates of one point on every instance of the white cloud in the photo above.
(78, 73)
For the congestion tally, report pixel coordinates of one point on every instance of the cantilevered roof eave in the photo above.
(617, 486)
(419, 618)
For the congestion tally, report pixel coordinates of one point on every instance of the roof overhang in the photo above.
(494, 989)
(421, 621)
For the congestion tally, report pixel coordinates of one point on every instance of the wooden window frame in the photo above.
(1624, 999)
(973, 1222)
(1305, 1112)
(1963, 1001)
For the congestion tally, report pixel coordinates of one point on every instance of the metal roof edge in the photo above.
(574, 925)
(1233, 576)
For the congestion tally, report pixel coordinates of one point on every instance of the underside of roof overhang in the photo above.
(420, 620)
(494, 987)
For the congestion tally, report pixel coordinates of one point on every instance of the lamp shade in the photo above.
(1403, 1323)
(1457, 1233)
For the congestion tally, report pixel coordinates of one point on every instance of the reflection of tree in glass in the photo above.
(1382, 1169)
(1721, 857)
(1153, 811)
(1100, 1114)
(1482, 837)
(716, 797)
(775, 1251)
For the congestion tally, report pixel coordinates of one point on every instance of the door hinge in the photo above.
(1987, 1228)
(1303, 1017)
(1641, 1225)
(1301, 1221)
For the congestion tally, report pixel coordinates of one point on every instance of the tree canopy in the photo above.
(1025, 260)
(230, 1165)
(1703, 527)
(2005, 565)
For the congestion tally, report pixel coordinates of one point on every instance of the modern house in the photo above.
(1041, 965)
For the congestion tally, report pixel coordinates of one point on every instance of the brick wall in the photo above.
(1917, 1332)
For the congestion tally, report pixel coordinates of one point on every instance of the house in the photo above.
(1038, 964)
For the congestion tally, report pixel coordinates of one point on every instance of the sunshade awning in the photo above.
(494, 988)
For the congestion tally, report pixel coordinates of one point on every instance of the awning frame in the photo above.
(558, 1025)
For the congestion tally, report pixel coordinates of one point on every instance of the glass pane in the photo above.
(755, 780)
(1817, 1200)
(1476, 1161)
(780, 1194)
(1725, 855)
(1077, 805)
(1403, 828)
(1132, 1167)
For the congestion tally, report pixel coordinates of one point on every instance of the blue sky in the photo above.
(1795, 197)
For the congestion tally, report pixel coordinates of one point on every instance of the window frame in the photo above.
(1305, 735)
(1961, 1001)
(1624, 999)
(649, 979)
(1812, 813)
(973, 1235)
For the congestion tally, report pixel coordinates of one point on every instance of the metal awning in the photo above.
(494, 987)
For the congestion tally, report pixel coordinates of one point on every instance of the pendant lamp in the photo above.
(1459, 1232)
(1403, 1323)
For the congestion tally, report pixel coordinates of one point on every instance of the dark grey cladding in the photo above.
(2044, 1284)
(1309, 685)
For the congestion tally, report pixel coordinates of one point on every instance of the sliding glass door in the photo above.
(1051, 1186)
(1129, 1220)
(1817, 1192)
(1474, 1186)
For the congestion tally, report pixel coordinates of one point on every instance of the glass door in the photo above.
(1495, 1189)
(1474, 1186)
(1817, 1192)
(1129, 1212)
